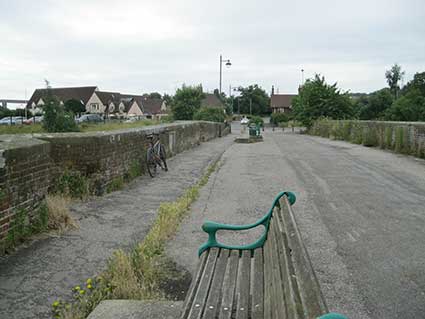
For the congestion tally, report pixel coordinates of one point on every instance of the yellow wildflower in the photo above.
(88, 281)
(82, 292)
(89, 286)
(55, 304)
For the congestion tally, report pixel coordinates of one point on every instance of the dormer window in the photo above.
(111, 107)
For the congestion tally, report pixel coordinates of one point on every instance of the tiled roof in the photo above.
(281, 100)
(64, 94)
(211, 100)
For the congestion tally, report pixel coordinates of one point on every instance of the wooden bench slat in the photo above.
(194, 285)
(293, 300)
(309, 289)
(198, 304)
(257, 290)
(242, 287)
(213, 302)
(278, 298)
(268, 282)
(229, 285)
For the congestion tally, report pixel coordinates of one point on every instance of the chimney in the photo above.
(272, 89)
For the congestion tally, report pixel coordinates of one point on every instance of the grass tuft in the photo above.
(59, 216)
(139, 273)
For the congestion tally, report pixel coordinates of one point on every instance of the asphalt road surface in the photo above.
(361, 212)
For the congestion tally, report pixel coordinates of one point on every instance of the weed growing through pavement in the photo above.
(137, 274)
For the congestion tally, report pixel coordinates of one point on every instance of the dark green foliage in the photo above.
(252, 100)
(135, 170)
(409, 107)
(277, 118)
(115, 184)
(74, 106)
(374, 105)
(153, 95)
(74, 184)
(210, 114)
(56, 119)
(394, 75)
(318, 99)
(167, 119)
(186, 102)
(257, 120)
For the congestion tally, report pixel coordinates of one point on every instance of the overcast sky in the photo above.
(144, 46)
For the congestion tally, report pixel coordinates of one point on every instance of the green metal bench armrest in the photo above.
(211, 228)
(332, 315)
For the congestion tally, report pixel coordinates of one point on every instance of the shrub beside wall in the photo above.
(401, 137)
(78, 165)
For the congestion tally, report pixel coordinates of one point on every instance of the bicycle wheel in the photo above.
(162, 156)
(151, 162)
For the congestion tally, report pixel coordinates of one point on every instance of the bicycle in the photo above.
(155, 155)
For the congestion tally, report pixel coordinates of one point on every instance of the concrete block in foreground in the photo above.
(132, 309)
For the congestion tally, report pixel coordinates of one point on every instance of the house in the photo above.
(83, 94)
(111, 104)
(281, 103)
(212, 101)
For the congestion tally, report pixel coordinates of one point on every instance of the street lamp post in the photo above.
(228, 64)
(302, 77)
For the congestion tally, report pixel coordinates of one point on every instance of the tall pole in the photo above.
(250, 106)
(302, 76)
(221, 62)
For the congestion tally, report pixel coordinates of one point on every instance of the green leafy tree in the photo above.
(153, 95)
(318, 99)
(210, 114)
(253, 100)
(75, 106)
(418, 83)
(409, 107)
(186, 102)
(374, 105)
(56, 119)
(167, 98)
(394, 75)
(277, 118)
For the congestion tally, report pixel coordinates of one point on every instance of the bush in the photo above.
(73, 184)
(186, 102)
(210, 114)
(258, 120)
(277, 118)
(56, 119)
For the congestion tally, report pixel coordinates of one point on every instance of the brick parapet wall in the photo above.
(30, 165)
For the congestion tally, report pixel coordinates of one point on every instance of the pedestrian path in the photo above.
(36, 275)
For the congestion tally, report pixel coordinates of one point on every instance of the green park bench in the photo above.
(270, 278)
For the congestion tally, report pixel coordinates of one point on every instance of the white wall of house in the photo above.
(135, 110)
(163, 106)
(95, 105)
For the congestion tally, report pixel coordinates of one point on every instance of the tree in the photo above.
(186, 102)
(167, 98)
(153, 95)
(75, 106)
(418, 83)
(56, 119)
(277, 118)
(374, 105)
(318, 99)
(409, 107)
(253, 100)
(210, 114)
(394, 75)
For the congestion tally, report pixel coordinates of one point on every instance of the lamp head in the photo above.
(228, 64)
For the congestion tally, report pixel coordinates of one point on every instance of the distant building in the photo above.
(281, 103)
(212, 101)
(111, 104)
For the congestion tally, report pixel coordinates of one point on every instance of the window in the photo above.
(95, 106)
